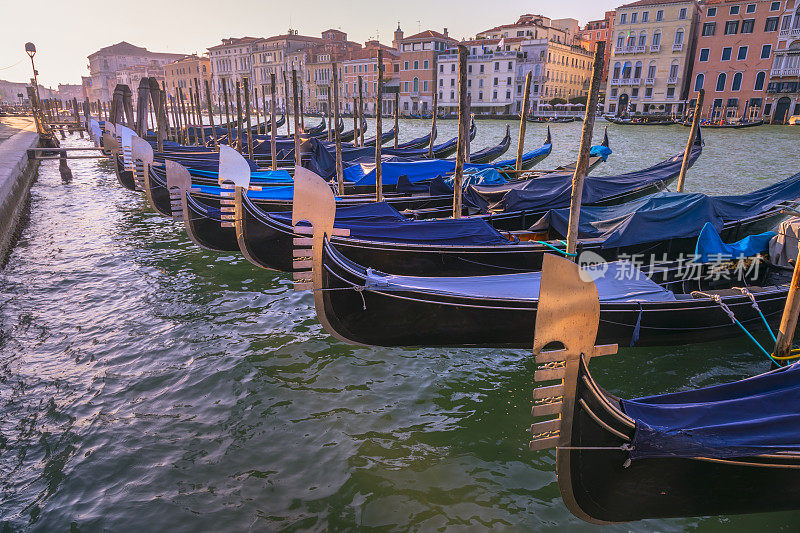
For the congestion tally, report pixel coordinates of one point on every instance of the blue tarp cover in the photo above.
(619, 281)
(711, 248)
(668, 215)
(375, 212)
(744, 418)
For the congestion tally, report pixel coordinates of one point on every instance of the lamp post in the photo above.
(30, 48)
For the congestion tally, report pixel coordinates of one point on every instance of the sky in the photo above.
(65, 32)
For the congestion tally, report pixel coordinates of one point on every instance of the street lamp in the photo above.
(30, 48)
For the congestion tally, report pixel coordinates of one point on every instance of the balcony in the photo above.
(625, 81)
(640, 49)
(414, 94)
(777, 72)
(677, 47)
(672, 80)
(636, 81)
(655, 47)
(614, 81)
(649, 81)
(790, 32)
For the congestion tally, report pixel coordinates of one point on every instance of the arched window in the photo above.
(620, 41)
(679, 36)
(673, 68)
(737, 82)
(656, 39)
(632, 40)
(698, 81)
(759, 86)
(651, 70)
(416, 85)
(626, 70)
(721, 82)
(617, 68)
(642, 38)
(637, 70)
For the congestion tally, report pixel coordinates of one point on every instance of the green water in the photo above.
(146, 384)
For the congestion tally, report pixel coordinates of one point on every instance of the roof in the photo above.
(370, 52)
(655, 2)
(494, 41)
(427, 34)
(126, 48)
(235, 41)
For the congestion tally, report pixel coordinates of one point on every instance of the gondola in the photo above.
(419, 142)
(550, 120)
(385, 138)
(492, 152)
(640, 121)
(725, 124)
(725, 449)
(349, 135)
(363, 306)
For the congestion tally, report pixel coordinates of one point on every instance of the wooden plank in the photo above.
(551, 391)
(543, 444)
(546, 409)
(547, 374)
(545, 426)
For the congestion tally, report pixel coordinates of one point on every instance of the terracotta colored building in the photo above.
(364, 63)
(735, 45)
(183, 72)
(597, 31)
(417, 78)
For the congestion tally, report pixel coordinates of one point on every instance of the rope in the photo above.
(638, 327)
(559, 250)
(755, 306)
(716, 298)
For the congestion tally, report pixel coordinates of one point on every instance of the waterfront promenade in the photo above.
(17, 135)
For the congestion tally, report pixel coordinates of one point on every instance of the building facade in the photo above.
(231, 62)
(652, 56)
(183, 72)
(417, 71)
(597, 31)
(123, 61)
(735, 44)
(364, 64)
(783, 90)
(496, 71)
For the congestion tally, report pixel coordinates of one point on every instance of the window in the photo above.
(441, 82)
(415, 83)
(614, 92)
(682, 14)
(751, 8)
(657, 38)
(731, 27)
(469, 69)
(416, 65)
(405, 86)
(637, 70)
(726, 53)
(642, 39)
(508, 81)
(651, 70)
(645, 17)
(679, 36)
(759, 85)
(495, 82)
(508, 95)
(425, 64)
(405, 66)
(721, 82)
(453, 67)
(748, 25)
(734, 10)
(659, 15)
(441, 68)
(786, 22)
(480, 95)
(737, 82)
(673, 70)
(623, 18)
(494, 95)
(634, 92)
(617, 68)
(452, 82)
(481, 69)
(709, 28)
(733, 102)
(452, 95)
(671, 92)
(698, 82)
(634, 18)
(704, 54)
(742, 53)
(648, 92)
(496, 66)
(771, 24)
(775, 6)
(711, 12)
(510, 66)
(620, 41)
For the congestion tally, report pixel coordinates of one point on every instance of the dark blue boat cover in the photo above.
(668, 215)
(462, 232)
(554, 190)
(744, 418)
(375, 212)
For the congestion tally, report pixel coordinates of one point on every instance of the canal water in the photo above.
(147, 384)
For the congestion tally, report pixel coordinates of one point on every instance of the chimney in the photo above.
(445, 32)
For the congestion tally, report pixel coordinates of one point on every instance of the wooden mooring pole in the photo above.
(433, 119)
(786, 331)
(297, 158)
(463, 130)
(396, 117)
(692, 136)
(211, 114)
(272, 132)
(246, 90)
(239, 125)
(583, 153)
(227, 111)
(379, 132)
(337, 135)
(523, 121)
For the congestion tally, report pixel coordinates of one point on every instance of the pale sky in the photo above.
(66, 31)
